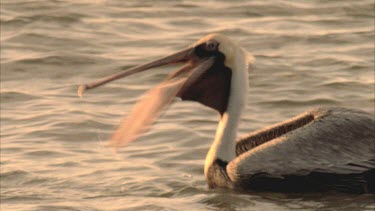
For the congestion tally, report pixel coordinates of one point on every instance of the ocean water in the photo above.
(309, 53)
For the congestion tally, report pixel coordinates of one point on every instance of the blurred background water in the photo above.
(309, 53)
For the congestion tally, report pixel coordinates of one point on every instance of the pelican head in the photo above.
(214, 73)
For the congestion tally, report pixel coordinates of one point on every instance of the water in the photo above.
(52, 158)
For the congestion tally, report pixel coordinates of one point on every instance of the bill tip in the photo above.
(81, 90)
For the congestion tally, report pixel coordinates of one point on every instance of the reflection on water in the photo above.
(52, 158)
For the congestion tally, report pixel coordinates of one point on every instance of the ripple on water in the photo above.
(42, 154)
(14, 96)
(296, 103)
(13, 175)
(71, 60)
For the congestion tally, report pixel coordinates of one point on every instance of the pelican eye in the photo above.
(212, 45)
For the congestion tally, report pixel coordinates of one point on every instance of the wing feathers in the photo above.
(339, 141)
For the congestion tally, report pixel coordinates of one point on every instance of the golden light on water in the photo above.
(52, 142)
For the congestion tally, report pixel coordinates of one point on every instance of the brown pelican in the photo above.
(321, 149)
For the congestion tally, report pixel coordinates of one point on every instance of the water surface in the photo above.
(315, 53)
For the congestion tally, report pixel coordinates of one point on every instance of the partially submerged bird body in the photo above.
(325, 148)
(321, 149)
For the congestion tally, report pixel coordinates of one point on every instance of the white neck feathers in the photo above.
(224, 145)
